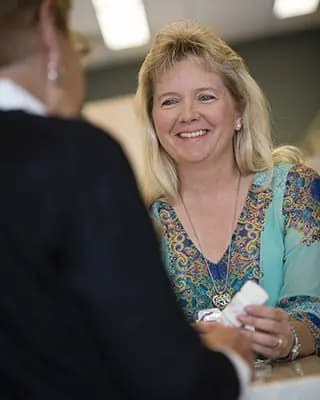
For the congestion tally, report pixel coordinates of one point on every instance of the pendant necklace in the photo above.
(222, 297)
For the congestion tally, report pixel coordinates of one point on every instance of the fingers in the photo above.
(268, 319)
(271, 352)
(262, 324)
(272, 335)
(271, 346)
(274, 313)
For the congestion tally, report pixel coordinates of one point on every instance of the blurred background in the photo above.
(281, 47)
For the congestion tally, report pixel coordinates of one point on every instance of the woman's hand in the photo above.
(215, 336)
(272, 336)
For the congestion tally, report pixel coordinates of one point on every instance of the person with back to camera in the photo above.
(229, 208)
(86, 312)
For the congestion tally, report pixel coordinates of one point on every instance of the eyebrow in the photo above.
(197, 90)
(167, 94)
(202, 89)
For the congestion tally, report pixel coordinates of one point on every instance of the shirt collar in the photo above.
(14, 97)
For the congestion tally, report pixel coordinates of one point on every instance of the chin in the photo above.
(70, 106)
(72, 113)
(193, 159)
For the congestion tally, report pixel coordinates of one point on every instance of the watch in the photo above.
(295, 349)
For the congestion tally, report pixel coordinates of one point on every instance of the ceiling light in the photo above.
(294, 8)
(123, 23)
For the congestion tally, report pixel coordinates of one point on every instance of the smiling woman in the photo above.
(230, 207)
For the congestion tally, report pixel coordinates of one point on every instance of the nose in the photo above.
(188, 112)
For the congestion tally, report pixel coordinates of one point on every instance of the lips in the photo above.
(193, 134)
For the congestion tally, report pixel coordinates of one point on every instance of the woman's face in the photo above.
(193, 113)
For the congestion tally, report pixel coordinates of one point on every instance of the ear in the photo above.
(49, 33)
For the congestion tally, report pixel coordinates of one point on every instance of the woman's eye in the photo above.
(169, 102)
(206, 97)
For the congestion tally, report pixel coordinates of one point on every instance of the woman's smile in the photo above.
(193, 134)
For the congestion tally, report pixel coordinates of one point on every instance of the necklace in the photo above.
(222, 297)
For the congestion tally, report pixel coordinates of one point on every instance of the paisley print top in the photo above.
(276, 242)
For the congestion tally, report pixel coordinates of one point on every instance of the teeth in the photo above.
(193, 134)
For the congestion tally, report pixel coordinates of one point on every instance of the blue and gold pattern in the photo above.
(298, 189)
(301, 205)
(187, 268)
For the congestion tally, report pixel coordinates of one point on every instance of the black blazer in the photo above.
(86, 310)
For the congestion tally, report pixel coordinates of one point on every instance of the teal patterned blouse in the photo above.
(276, 242)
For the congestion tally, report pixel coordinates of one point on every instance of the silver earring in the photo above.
(238, 126)
(53, 73)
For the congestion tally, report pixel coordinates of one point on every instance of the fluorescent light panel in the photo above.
(123, 23)
(293, 8)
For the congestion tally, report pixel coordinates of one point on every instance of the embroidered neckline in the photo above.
(190, 279)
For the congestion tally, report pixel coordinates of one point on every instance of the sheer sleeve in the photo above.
(300, 294)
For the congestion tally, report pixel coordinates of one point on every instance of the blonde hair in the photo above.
(252, 144)
(18, 25)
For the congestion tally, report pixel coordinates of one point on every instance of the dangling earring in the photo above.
(53, 72)
(238, 126)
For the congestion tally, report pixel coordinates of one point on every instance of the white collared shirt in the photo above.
(15, 97)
